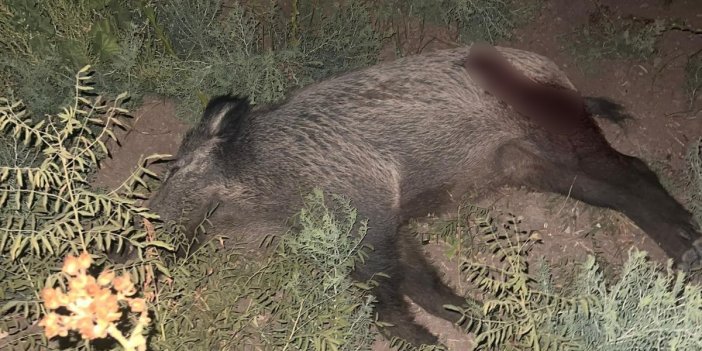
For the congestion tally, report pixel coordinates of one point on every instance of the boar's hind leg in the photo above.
(614, 181)
(574, 158)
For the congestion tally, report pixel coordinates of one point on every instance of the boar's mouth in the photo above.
(189, 224)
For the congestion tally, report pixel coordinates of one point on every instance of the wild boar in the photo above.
(404, 138)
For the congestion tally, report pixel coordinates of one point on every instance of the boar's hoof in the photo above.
(411, 335)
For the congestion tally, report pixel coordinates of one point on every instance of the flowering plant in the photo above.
(92, 306)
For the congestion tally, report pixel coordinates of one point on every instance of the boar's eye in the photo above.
(171, 170)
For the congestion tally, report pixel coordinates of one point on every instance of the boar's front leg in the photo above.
(385, 258)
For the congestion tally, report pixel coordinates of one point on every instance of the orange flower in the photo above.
(100, 329)
(70, 265)
(53, 298)
(80, 283)
(106, 308)
(74, 295)
(124, 284)
(53, 325)
(72, 321)
(75, 265)
(139, 341)
(84, 261)
(105, 278)
(92, 303)
(137, 305)
(80, 305)
(85, 328)
(94, 289)
(101, 294)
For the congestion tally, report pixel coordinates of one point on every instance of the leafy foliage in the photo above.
(487, 20)
(644, 308)
(185, 49)
(608, 36)
(462, 21)
(460, 232)
(46, 206)
(43, 43)
(256, 53)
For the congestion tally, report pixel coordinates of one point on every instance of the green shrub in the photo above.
(486, 20)
(47, 208)
(45, 42)
(644, 308)
(465, 21)
(185, 49)
(257, 55)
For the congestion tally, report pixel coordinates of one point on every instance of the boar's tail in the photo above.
(606, 108)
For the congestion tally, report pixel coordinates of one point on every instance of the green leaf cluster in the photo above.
(644, 308)
(184, 49)
(47, 207)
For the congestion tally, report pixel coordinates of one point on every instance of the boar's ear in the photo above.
(223, 115)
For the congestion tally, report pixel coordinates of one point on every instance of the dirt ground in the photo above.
(660, 133)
